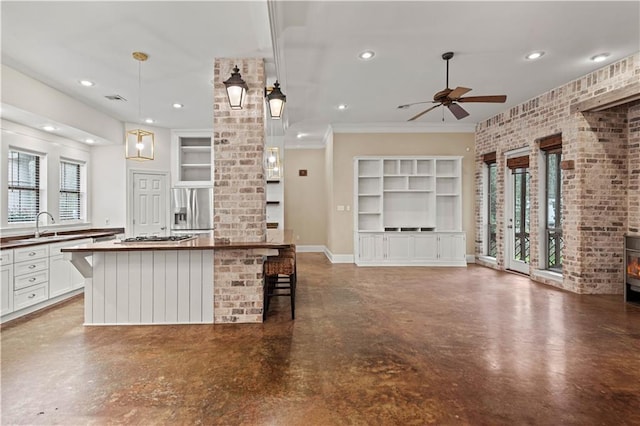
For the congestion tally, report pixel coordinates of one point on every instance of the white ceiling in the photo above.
(316, 46)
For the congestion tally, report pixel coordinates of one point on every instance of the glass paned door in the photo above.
(518, 215)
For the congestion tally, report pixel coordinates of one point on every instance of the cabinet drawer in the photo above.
(30, 296)
(6, 257)
(30, 253)
(30, 279)
(54, 249)
(21, 268)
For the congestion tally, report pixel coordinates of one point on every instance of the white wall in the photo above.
(52, 148)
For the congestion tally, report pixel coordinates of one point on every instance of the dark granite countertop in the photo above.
(49, 237)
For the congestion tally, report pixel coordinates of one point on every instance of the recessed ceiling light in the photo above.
(600, 57)
(49, 128)
(535, 55)
(342, 106)
(301, 135)
(177, 105)
(367, 54)
(149, 120)
(87, 83)
(89, 141)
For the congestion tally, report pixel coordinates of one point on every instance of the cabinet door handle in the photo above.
(32, 279)
(33, 253)
(32, 266)
(32, 295)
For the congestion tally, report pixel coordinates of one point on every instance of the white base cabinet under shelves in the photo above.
(411, 248)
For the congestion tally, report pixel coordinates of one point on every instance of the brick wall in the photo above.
(239, 192)
(634, 169)
(598, 201)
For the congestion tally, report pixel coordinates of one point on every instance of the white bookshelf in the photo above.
(408, 210)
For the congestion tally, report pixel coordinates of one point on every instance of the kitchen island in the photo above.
(158, 282)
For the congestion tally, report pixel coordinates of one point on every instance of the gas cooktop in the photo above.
(155, 239)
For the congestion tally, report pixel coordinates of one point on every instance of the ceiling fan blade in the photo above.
(423, 112)
(457, 111)
(494, 99)
(457, 92)
(415, 103)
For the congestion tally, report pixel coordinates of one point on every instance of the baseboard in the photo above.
(338, 258)
(471, 258)
(311, 249)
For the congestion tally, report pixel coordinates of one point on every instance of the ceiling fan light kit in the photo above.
(451, 97)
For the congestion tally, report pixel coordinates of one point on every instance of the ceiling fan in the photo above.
(451, 97)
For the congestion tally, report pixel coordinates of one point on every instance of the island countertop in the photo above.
(275, 239)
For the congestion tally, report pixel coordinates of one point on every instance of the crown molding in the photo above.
(404, 128)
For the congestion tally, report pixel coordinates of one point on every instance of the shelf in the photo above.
(447, 195)
(370, 213)
(196, 166)
(408, 190)
(272, 225)
(273, 202)
(369, 195)
(273, 181)
(196, 148)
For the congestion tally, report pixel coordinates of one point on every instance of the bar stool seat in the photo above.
(280, 278)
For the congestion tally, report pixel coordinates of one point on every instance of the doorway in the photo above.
(148, 205)
(517, 211)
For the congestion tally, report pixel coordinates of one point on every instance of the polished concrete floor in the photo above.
(369, 346)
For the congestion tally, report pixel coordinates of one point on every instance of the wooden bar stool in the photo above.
(280, 278)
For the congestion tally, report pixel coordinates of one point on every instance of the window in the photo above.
(23, 187)
(552, 149)
(70, 191)
(491, 246)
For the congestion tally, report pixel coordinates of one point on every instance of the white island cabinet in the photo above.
(158, 285)
(408, 211)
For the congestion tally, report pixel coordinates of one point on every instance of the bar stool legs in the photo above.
(280, 280)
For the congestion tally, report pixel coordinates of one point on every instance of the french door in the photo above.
(517, 212)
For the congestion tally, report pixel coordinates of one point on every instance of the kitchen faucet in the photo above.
(37, 234)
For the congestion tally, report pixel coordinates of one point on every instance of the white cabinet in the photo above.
(425, 248)
(31, 276)
(37, 276)
(193, 157)
(411, 202)
(451, 247)
(411, 248)
(63, 276)
(6, 282)
(371, 247)
(398, 247)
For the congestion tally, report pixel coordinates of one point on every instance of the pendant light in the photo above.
(275, 100)
(236, 89)
(139, 144)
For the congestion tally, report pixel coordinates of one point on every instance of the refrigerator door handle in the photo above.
(194, 208)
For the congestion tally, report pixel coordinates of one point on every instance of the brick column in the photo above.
(239, 192)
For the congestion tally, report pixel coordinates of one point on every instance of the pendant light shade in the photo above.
(236, 89)
(139, 143)
(276, 100)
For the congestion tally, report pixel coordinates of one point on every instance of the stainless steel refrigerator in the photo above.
(191, 210)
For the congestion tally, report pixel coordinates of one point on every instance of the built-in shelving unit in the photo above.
(193, 157)
(406, 196)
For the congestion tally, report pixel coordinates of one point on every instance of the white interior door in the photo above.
(517, 217)
(149, 206)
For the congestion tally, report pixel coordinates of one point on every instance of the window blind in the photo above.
(23, 201)
(69, 208)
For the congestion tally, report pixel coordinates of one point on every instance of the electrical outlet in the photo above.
(348, 208)
(340, 208)
(107, 221)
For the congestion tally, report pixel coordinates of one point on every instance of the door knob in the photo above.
(510, 226)
(163, 228)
